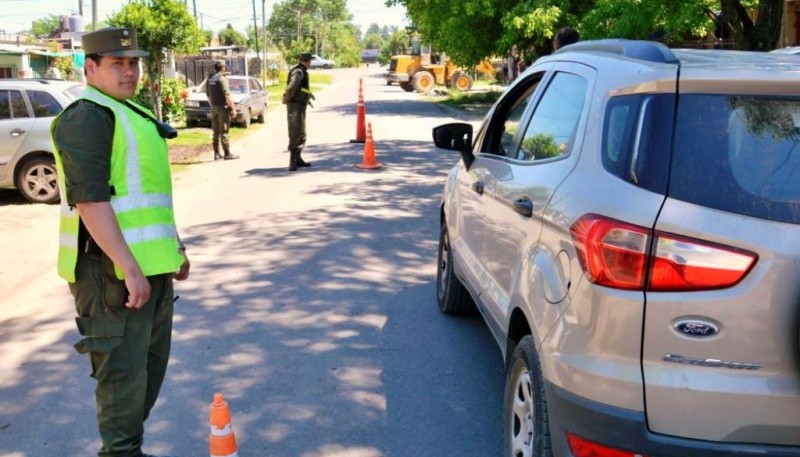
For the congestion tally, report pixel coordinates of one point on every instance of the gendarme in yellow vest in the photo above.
(142, 199)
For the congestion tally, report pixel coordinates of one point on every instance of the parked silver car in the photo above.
(246, 92)
(27, 108)
(627, 222)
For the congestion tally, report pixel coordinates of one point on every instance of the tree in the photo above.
(161, 26)
(470, 30)
(44, 27)
(293, 20)
(759, 35)
(230, 37)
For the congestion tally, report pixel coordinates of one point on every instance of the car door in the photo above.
(493, 144)
(259, 97)
(16, 124)
(520, 183)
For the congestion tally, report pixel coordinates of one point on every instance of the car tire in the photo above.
(453, 298)
(246, 119)
(191, 123)
(37, 180)
(407, 87)
(262, 116)
(526, 429)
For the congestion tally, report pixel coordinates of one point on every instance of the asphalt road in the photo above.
(311, 304)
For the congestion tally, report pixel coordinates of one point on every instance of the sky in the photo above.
(17, 15)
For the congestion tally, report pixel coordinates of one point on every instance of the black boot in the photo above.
(217, 156)
(302, 163)
(293, 155)
(229, 156)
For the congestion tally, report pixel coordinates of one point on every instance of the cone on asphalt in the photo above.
(361, 112)
(221, 440)
(369, 162)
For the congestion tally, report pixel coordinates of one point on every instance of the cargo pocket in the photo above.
(101, 333)
(114, 291)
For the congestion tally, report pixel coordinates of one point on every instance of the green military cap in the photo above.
(113, 42)
(306, 56)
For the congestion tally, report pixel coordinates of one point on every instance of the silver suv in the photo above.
(27, 107)
(626, 221)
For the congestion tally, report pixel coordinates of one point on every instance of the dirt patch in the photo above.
(186, 155)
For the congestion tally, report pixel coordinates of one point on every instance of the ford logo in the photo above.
(695, 328)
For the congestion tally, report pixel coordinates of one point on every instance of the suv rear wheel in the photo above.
(452, 296)
(37, 180)
(525, 425)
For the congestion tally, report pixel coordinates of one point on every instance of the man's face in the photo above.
(306, 63)
(114, 76)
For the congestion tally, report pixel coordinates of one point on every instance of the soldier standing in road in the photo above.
(119, 248)
(223, 110)
(296, 98)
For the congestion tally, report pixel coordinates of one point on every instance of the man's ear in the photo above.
(90, 66)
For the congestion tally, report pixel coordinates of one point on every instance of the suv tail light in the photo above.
(624, 256)
(581, 447)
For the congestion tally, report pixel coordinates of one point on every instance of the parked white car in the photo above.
(27, 108)
(319, 62)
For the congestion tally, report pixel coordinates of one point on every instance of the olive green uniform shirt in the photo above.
(84, 135)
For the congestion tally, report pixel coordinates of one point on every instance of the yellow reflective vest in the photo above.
(142, 197)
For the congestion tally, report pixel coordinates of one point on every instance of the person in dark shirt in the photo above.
(297, 97)
(118, 246)
(222, 110)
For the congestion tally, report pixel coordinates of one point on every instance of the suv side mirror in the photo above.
(455, 137)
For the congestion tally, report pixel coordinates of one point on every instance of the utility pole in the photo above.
(264, 32)
(255, 31)
(194, 8)
(94, 15)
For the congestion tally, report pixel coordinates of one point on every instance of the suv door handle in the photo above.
(524, 206)
(17, 132)
(478, 186)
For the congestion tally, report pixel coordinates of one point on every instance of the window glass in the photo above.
(552, 127)
(18, 108)
(513, 118)
(739, 154)
(5, 106)
(255, 85)
(44, 105)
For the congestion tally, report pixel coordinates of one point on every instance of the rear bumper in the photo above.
(198, 114)
(626, 429)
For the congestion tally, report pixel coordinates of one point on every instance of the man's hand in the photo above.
(138, 289)
(183, 272)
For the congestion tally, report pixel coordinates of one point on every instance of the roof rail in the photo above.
(635, 49)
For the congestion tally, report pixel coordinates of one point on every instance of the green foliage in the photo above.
(540, 146)
(471, 30)
(44, 27)
(396, 44)
(317, 20)
(231, 37)
(161, 25)
(173, 95)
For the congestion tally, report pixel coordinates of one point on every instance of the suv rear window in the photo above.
(738, 154)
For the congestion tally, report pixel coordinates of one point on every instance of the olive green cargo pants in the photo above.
(296, 117)
(128, 350)
(220, 128)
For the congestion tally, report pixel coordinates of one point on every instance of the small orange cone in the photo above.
(361, 112)
(221, 440)
(369, 162)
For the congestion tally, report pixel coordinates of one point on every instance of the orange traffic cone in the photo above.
(361, 112)
(221, 440)
(369, 162)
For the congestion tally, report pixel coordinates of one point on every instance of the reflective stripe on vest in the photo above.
(142, 204)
